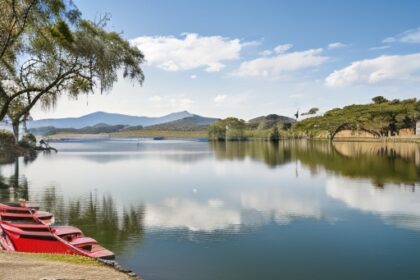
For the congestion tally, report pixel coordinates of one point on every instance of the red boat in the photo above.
(23, 211)
(26, 229)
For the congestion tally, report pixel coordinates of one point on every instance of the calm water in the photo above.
(196, 210)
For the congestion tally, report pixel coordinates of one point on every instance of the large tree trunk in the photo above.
(16, 131)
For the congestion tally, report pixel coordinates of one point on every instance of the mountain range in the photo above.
(108, 118)
(195, 122)
(102, 122)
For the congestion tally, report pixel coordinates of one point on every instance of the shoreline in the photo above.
(18, 266)
(200, 135)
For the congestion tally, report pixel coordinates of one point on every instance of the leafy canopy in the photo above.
(47, 50)
(379, 118)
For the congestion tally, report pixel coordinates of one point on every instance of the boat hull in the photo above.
(26, 229)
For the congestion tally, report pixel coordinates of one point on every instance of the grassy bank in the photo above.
(137, 134)
(24, 266)
(251, 135)
(161, 133)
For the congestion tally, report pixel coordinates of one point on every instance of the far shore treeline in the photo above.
(381, 119)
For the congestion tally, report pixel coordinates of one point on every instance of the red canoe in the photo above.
(30, 232)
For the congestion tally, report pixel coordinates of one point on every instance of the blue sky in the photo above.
(250, 58)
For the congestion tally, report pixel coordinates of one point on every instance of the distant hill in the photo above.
(98, 128)
(269, 121)
(108, 119)
(193, 122)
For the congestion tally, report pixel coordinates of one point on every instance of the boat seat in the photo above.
(82, 241)
(5, 207)
(31, 227)
(22, 232)
(66, 230)
(16, 215)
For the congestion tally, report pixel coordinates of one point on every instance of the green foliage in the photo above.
(6, 138)
(268, 127)
(28, 140)
(47, 50)
(274, 134)
(379, 100)
(270, 121)
(193, 123)
(379, 118)
(96, 129)
(311, 111)
(231, 129)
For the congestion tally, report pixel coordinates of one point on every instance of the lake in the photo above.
(239, 210)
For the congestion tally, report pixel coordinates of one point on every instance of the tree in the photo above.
(21, 19)
(227, 129)
(274, 134)
(379, 100)
(62, 54)
(311, 111)
(379, 119)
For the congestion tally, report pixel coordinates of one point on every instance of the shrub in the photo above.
(6, 138)
(274, 134)
(28, 140)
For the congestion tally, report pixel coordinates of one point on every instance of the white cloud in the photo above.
(191, 51)
(283, 48)
(389, 40)
(410, 36)
(336, 45)
(379, 48)
(393, 203)
(155, 98)
(372, 71)
(179, 102)
(193, 77)
(280, 64)
(195, 216)
(265, 53)
(182, 102)
(281, 205)
(296, 96)
(220, 98)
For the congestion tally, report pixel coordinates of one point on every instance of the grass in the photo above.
(250, 134)
(143, 133)
(74, 259)
(161, 133)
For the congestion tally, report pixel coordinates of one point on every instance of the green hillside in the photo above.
(380, 118)
(269, 121)
(193, 123)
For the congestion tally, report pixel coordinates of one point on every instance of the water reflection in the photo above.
(272, 154)
(171, 206)
(380, 162)
(13, 186)
(182, 213)
(98, 217)
(397, 205)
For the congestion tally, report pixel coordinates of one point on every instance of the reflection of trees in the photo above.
(381, 167)
(380, 162)
(271, 153)
(98, 218)
(15, 186)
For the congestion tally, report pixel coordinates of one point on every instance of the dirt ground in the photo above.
(18, 266)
